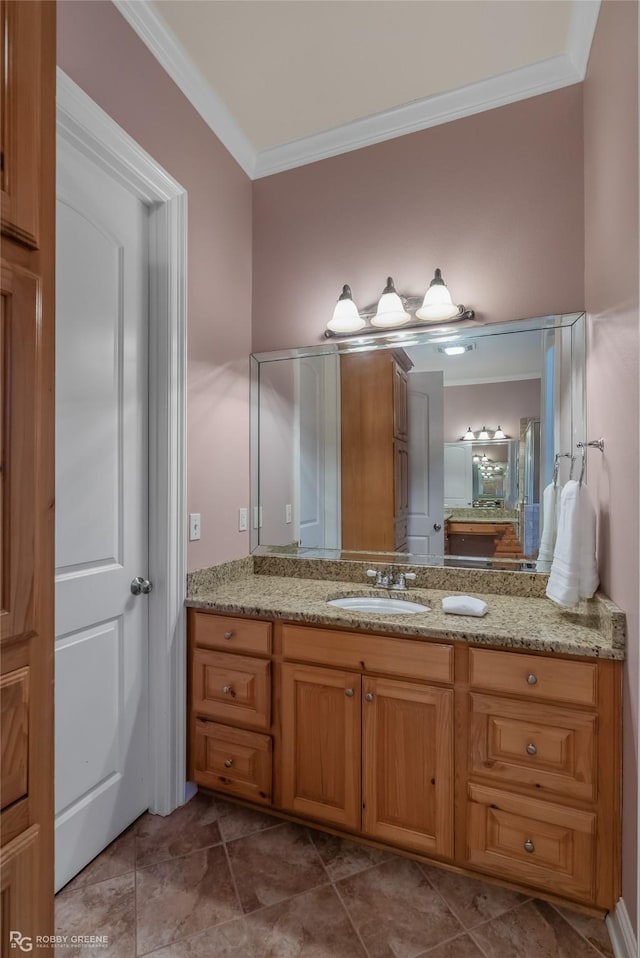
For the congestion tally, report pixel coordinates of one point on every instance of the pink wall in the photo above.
(101, 53)
(490, 405)
(611, 288)
(494, 200)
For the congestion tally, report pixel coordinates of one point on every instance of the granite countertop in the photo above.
(595, 628)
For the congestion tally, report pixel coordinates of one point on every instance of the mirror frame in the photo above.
(395, 339)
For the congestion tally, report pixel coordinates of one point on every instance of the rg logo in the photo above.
(23, 942)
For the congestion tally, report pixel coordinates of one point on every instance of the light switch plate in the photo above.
(287, 512)
(243, 518)
(194, 526)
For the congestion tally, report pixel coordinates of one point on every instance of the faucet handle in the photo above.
(410, 575)
(371, 573)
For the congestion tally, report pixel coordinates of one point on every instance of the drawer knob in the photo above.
(228, 762)
(369, 697)
(532, 679)
(228, 635)
(531, 749)
(349, 693)
(228, 690)
(529, 846)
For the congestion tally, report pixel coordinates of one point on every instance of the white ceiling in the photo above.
(285, 82)
(521, 354)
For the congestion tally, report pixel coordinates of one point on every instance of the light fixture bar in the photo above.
(467, 316)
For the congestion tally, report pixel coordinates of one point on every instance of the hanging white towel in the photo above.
(550, 515)
(574, 571)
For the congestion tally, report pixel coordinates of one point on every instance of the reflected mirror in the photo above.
(434, 446)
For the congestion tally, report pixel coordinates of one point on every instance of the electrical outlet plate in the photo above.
(194, 526)
(287, 512)
(243, 519)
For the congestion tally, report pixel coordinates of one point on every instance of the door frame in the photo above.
(84, 125)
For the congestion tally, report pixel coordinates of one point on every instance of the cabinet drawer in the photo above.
(14, 735)
(534, 676)
(369, 653)
(533, 744)
(231, 633)
(233, 760)
(537, 843)
(235, 688)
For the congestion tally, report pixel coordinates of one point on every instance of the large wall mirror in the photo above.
(432, 446)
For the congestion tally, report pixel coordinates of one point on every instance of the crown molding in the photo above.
(520, 84)
(582, 27)
(173, 58)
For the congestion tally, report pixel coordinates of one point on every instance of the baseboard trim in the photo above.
(623, 940)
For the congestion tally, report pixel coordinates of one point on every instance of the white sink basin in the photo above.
(370, 603)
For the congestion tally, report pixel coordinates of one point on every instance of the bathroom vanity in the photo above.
(488, 745)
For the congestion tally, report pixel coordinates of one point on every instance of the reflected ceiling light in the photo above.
(499, 434)
(469, 435)
(438, 305)
(476, 458)
(390, 311)
(483, 435)
(346, 318)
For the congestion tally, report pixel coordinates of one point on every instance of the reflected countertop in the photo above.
(595, 628)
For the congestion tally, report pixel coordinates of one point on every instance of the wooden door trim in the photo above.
(86, 127)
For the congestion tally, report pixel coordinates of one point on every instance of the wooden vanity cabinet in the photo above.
(495, 762)
(374, 450)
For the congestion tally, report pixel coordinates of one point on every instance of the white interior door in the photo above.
(425, 535)
(458, 475)
(101, 666)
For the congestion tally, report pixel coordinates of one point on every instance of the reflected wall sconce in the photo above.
(484, 435)
(394, 310)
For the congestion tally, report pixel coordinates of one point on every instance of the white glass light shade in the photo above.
(469, 435)
(390, 311)
(499, 434)
(437, 305)
(346, 318)
(484, 435)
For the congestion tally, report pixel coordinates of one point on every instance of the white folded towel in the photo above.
(550, 516)
(464, 605)
(574, 571)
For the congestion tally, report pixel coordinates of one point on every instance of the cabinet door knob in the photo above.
(531, 749)
(349, 693)
(228, 635)
(227, 689)
(532, 679)
(529, 846)
(369, 697)
(228, 762)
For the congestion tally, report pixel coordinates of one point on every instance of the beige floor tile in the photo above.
(190, 827)
(313, 925)
(104, 908)
(471, 900)
(343, 858)
(183, 896)
(272, 865)
(236, 821)
(117, 859)
(534, 930)
(396, 910)
(593, 929)
(461, 947)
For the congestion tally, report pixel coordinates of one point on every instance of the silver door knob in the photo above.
(529, 846)
(531, 749)
(228, 762)
(532, 679)
(140, 586)
(437, 526)
(349, 693)
(369, 697)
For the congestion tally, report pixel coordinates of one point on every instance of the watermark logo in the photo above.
(23, 942)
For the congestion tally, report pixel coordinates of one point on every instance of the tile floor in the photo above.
(215, 880)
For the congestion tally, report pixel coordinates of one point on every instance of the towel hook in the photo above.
(591, 444)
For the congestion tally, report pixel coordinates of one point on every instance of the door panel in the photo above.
(101, 510)
(426, 469)
(408, 765)
(321, 744)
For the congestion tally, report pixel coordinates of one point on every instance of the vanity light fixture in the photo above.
(499, 434)
(437, 305)
(390, 311)
(346, 318)
(483, 435)
(469, 435)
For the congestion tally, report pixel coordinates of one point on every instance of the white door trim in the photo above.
(82, 123)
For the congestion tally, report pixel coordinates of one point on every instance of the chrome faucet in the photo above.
(390, 579)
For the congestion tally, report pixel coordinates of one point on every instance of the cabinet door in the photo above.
(400, 403)
(401, 478)
(321, 744)
(407, 764)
